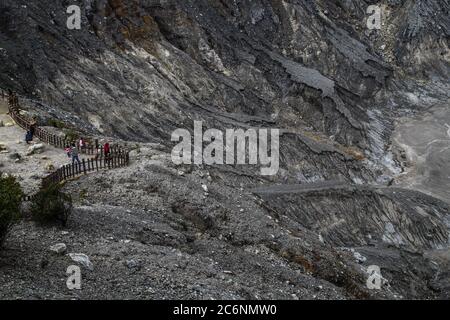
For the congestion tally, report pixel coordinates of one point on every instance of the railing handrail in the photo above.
(118, 156)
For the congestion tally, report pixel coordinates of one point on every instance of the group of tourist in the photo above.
(73, 150)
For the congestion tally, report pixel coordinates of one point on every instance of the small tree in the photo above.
(10, 200)
(51, 205)
(71, 135)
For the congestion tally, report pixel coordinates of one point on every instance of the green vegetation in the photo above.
(71, 135)
(83, 194)
(10, 201)
(51, 205)
(56, 123)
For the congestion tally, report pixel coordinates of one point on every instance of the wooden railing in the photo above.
(76, 169)
(118, 156)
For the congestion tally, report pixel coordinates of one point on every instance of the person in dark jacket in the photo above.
(74, 154)
(28, 137)
(32, 130)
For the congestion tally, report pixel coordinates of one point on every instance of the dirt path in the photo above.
(30, 169)
(426, 142)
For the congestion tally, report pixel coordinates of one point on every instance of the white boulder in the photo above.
(58, 248)
(35, 148)
(82, 259)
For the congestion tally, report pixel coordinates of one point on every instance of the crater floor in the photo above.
(426, 142)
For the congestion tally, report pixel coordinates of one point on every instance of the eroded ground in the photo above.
(425, 140)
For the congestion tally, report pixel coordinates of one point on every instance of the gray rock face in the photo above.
(350, 216)
(137, 70)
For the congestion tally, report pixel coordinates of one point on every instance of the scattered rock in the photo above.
(359, 257)
(133, 264)
(35, 148)
(59, 248)
(50, 167)
(82, 259)
(44, 263)
(15, 156)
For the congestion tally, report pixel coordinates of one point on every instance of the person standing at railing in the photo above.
(32, 128)
(106, 149)
(28, 137)
(74, 154)
(68, 150)
(81, 144)
(98, 151)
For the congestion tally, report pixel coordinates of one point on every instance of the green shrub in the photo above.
(51, 205)
(71, 135)
(83, 194)
(10, 200)
(56, 123)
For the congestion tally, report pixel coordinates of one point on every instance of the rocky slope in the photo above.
(137, 70)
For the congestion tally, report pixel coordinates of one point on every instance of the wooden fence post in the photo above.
(84, 166)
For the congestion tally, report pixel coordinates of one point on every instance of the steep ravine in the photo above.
(357, 109)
